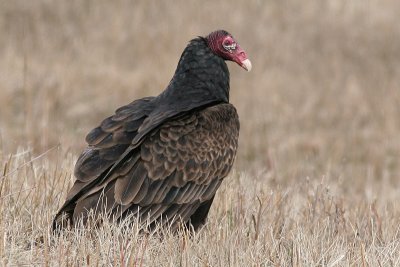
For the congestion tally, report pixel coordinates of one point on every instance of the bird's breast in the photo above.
(201, 145)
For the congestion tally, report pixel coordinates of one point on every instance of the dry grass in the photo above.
(317, 175)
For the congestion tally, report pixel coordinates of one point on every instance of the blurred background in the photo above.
(322, 99)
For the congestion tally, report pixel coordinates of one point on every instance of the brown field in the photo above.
(317, 177)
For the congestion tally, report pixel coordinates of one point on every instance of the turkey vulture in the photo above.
(163, 158)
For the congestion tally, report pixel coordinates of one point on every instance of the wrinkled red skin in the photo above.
(218, 40)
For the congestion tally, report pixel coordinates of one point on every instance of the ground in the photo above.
(317, 177)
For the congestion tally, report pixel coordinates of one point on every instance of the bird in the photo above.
(161, 159)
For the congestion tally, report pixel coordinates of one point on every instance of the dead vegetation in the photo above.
(317, 174)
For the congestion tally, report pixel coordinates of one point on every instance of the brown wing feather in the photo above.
(175, 169)
(108, 141)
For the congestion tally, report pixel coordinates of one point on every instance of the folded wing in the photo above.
(170, 176)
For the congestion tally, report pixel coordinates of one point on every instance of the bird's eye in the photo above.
(228, 46)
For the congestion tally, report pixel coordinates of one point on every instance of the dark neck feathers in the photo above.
(201, 77)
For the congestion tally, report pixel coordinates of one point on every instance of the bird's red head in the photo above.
(224, 45)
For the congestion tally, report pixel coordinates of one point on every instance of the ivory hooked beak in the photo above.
(246, 64)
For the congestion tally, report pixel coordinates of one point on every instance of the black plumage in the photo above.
(162, 158)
